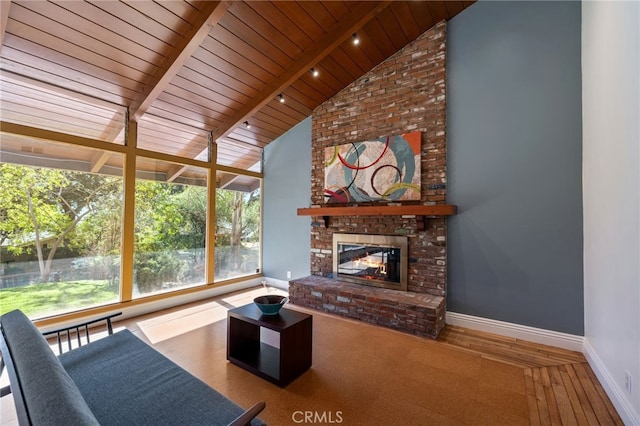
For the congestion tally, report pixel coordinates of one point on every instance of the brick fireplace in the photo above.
(406, 93)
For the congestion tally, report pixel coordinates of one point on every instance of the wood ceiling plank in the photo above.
(170, 112)
(115, 24)
(377, 33)
(106, 41)
(248, 35)
(203, 78)
(319, 13)
(245, 64)
(196, 98)
(275, 36)
(347, 62)
(78, 58)
(230, 69)
(177, 57)
(422, 15)
(438, 10)
(25, 87)
(36, 55)
(301, 20)
(280, 18)
(236, 44)
(127, 13)
(182, 8)
(208, 94)
(406, 20)
(338, 9)
(334, 38)
(306, 94)
(315, 90)
(389, 24)
(337, 71)
(217, 77)
(30, 65)
(63, 82)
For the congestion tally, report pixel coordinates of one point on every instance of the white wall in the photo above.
(611, 196)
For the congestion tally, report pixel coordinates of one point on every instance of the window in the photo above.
(60, 227)
(238, 220)
(170, 226)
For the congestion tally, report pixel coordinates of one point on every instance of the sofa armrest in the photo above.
(245, 418)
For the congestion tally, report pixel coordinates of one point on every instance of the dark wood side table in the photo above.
(278, 365)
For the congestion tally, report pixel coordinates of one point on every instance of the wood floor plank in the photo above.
(541, 398)
(573, 397)
(534, 416)
(565, 408)
(592, 418)
(554, 412)
(594, 397)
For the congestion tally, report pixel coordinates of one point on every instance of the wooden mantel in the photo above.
(419, 211)
(414, 210)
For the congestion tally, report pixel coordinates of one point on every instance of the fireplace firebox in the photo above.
(375, 260)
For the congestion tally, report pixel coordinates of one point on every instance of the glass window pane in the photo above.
(238, 218)
(60, 227)
(170, 226)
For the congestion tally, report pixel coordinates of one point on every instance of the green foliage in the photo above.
(154, 270)
(46, 299)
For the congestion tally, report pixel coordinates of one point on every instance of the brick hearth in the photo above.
(417, 313)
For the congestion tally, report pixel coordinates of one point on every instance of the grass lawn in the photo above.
(37, 300)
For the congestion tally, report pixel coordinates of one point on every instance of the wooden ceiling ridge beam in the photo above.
(209, 16)
(337, 35)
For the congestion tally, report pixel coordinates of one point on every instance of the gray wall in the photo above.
(287, 187)
(514, 164)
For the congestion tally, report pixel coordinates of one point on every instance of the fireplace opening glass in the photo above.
(376, 260)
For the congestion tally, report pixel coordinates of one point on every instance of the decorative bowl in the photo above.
(270, 305)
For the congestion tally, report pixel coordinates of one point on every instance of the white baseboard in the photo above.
(617, 396)
(523, 332)
(281, 284)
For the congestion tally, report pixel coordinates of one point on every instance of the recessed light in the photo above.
(315, 72)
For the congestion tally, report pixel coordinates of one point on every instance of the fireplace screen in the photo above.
(376, 260)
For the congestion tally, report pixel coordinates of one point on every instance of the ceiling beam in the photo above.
(323, 47)
(4, 19)
(98, 161)
(209, 16)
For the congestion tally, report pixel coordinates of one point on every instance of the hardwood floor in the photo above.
(560, 386)
(363, 374)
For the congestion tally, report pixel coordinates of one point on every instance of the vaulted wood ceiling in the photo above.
(189, 70)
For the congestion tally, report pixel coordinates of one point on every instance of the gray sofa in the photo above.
(117, 380)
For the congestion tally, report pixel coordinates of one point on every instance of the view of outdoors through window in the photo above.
(237, 226)
(59, 239)
(170, 230)
(61, 231)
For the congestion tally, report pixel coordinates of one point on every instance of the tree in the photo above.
(46, 204)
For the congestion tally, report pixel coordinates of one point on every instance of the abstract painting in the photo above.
(384, 169)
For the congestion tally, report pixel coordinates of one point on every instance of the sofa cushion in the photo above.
(127, 382)
(50, 395)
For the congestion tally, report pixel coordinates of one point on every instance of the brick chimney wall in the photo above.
(405, 93)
